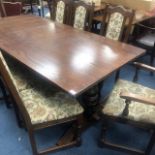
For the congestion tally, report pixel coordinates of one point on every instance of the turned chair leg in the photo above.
(78, 132)
(103, 132)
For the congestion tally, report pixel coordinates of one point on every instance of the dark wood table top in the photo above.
(72, 59)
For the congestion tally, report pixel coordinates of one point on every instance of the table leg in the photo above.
(91, 100)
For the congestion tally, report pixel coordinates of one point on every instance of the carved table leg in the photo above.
(91, 100)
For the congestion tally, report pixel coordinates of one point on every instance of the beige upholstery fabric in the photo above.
(60, 10)
(79, 19)
(20, 80)
(114, 26)
(42, 108)
(43, 102)
(115, 105)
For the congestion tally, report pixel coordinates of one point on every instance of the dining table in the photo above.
(74, 60)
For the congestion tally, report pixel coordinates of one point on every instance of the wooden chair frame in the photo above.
(31, 128)
(89, 13)
(128, 15)
(122, 119)
(53, 6)
(149, 27)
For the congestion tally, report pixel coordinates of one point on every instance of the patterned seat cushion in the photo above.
(115, 105)
(44, 108)
(43, 102)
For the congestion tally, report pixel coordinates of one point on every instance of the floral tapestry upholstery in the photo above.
(16, 73)
(44, 108)
(141, 112)
(114, 26)
(60, 11)
(43, 102)
(79, 19)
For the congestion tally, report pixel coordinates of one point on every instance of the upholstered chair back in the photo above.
(117, 22)
(82, 14)
(59, 10)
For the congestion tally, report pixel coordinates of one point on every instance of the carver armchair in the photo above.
(133, 104)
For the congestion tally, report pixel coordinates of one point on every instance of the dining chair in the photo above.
(117, 24)
(133, 104)
(40, 104)
(81, 16)
(145, 37)
(59, 10)
(10, 8)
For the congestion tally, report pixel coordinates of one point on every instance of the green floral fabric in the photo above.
(60, 10)
(43, 102)
(115, 105)
(79, 19)
(114, 26)
(43, 108)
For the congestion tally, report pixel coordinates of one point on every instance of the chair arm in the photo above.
(144, 26)
(144, 66)
(137, 98)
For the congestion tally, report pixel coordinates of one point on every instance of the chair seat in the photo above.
(140, 112)
(147, 40)
(43, 102)
(42, 108)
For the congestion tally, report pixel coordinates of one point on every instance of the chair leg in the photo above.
(135, 78)
(32, 141)
(152, 59)
(19, 119)
(117, 75)
(5, 96)
(103, 133)
(78, 131)
(150, 145)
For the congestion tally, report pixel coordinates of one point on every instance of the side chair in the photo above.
(133, 104)
(59, 10)
(10, 8)
(82, 14)
(116, 24)
(40, 104)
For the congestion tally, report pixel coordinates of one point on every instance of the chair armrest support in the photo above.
(137, 98)
(144, 66)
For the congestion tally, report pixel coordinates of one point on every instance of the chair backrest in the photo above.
(10, 8)
(59, 10)
(9, 82)
(82, 14)
(117, 22)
